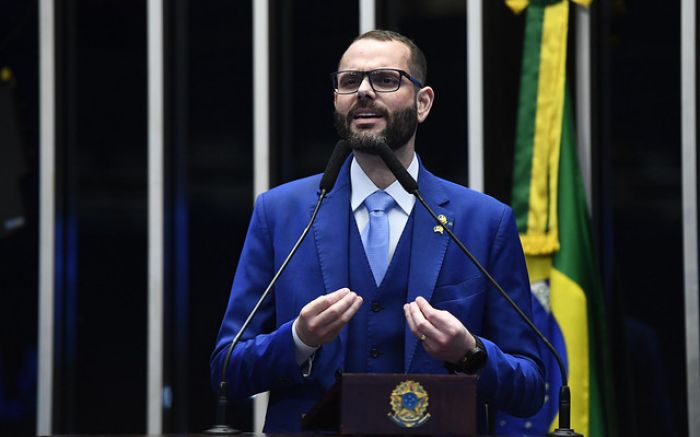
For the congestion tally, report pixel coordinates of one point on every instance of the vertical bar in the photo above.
(583, 98)
(475, 85)
(261, 97)
(261, 137)
(367, 15)
(47, 171)
(690, 211)
(155, 217)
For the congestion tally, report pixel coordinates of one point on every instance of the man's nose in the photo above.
(365, 89)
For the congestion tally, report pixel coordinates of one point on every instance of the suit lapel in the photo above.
(331, 231)
(427, 250)
(331, 236)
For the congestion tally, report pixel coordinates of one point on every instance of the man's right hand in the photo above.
(321, 320)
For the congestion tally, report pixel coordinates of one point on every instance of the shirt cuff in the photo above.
(302, 351)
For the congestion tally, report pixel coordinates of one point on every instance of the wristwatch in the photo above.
(472, 362)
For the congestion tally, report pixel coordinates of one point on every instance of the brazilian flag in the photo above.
(552, 217)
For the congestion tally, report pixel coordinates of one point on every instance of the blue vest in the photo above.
(376, 332)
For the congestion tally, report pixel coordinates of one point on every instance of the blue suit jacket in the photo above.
(512, 380)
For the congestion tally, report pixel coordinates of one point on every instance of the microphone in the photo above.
(335, 162)
(340, 152)
(410, 185)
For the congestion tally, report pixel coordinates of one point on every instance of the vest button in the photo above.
(376, 306)
(374, 352)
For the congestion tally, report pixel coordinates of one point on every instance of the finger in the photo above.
(429, 344)
(441, 320)
(425, 307)
(409, 320)
(333, 312)
(423, 325)
(337, 295)
(334, 327)
(321, 303)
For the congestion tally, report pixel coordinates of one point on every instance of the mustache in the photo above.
(363, 106)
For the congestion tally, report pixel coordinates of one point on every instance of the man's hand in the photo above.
(443, 336)
(321, 320)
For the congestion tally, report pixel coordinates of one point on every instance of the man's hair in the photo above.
(417, 63)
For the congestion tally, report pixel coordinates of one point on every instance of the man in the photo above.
(379, 288)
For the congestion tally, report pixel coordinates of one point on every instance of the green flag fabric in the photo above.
(552, 214)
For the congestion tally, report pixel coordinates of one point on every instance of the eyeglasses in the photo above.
(382, 80)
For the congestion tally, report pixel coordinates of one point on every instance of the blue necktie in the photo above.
(375, 236)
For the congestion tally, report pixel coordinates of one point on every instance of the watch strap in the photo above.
(472, 362)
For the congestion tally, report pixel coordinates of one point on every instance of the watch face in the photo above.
(475, 360)
(472, 362)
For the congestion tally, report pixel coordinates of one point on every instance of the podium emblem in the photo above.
(409, 403)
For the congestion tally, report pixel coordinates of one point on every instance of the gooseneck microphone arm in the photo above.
(410, 185)
(221, 426)
(330, 175)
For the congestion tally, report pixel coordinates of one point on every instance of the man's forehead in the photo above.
(370, 53)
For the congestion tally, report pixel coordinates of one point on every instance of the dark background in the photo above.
(101, 283)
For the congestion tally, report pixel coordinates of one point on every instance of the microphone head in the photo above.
(392, 162)
(340, 152)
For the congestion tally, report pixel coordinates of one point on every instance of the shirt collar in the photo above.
(362, 186)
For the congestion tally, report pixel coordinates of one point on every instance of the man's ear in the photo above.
(424, 101)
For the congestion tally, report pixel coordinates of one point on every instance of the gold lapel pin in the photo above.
(439, 228)
(443, 220)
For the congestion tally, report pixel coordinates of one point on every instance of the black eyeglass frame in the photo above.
(334, 79)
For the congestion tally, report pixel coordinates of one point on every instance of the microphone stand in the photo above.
(221, 427)
(330, 175)
(564, 429)
(410, 185)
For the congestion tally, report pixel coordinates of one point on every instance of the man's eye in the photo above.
(385, 79)
(348, 80)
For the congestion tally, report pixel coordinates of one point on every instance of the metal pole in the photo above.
(583, 98)
(155, 217)
(261, 137)
(690, 211)
(367, 15)
(47, 172)
(475, 86)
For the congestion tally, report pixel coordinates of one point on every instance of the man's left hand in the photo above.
(443, 336)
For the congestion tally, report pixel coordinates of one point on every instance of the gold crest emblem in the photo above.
(409, 403)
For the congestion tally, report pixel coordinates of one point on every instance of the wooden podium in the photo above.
(391, 404)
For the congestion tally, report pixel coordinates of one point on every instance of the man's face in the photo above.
(368, 118)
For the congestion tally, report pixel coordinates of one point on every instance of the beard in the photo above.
(400, 127)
